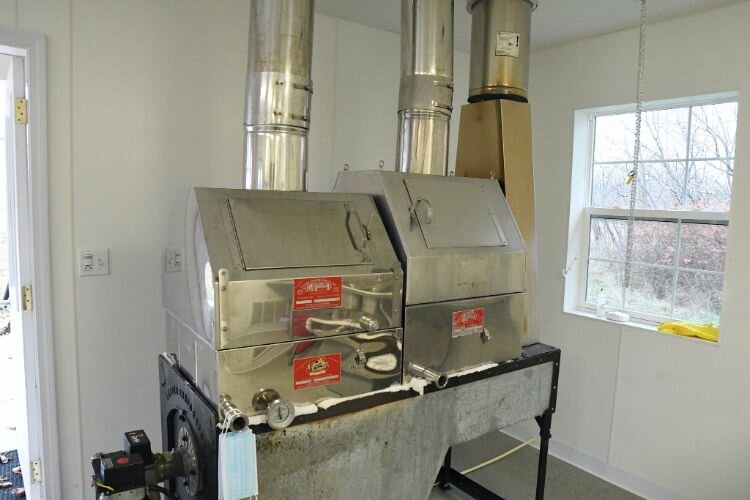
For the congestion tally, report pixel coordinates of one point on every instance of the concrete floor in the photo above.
(514, 477)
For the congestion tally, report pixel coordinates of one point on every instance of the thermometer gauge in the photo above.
(280, 414)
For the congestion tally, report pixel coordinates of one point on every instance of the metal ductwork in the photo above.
(279, 93)
(500, 36)
(426, 90)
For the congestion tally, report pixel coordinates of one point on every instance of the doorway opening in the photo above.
(12, 379)
(27, 379)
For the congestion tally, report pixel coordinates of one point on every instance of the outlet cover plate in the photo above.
(93, 262)
(173, 260)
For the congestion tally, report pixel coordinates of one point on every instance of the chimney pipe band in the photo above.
(470, 4)
(426, 93)
(279, 99)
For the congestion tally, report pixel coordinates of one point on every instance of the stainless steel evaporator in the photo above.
(284, 298)
(287, 297)
(281, 303)
(465, 260)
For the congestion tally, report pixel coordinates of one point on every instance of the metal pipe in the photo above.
(500, 35)
(279, 94)
(426, 90)
(234, 419)
(167, 465)
(440, 379)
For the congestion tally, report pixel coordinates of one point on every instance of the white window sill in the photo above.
(643, 326)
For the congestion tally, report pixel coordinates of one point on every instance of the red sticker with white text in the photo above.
(317, 293)
(317, 370)
(468, 322)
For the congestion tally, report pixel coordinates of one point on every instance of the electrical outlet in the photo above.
(173, 260)
(93, 262)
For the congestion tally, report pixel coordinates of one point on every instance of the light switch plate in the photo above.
(173, 260)
(93, 262)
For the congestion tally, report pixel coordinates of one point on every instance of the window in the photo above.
(682, 210)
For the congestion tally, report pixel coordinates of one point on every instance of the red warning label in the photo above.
(468, 322)
(317, 293)
(317, 370)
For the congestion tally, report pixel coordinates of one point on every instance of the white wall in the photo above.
(158, 107)
(146, 99)
(661, 414)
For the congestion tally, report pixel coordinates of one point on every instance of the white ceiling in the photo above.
(554, 22)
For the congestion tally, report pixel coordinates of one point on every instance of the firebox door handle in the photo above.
(422, 211)
(485, 336)
(357, 233)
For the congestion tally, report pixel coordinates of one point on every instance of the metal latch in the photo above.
(22, 117)
(485, 336)
(27, 300)
(357, 232)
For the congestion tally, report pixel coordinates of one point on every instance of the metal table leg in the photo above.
(443, 479)
(545, 424)
(449, 476)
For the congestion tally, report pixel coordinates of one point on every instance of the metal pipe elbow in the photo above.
(440, 379)
(234, 419)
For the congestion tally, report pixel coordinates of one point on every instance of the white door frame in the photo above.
(38, 342)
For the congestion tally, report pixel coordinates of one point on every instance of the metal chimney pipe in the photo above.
(426, 90)
(279, 92)
(500, 35)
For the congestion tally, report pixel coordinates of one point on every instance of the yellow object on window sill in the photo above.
(706, 332)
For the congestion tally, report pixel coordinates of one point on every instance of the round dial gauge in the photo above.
(280, 414)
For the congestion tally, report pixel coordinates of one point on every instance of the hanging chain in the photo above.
(633, 176)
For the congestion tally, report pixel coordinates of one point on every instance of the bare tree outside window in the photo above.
(686, 168)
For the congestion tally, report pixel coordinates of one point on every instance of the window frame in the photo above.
(582, 213)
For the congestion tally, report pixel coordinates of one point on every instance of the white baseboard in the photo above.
(597, 467)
